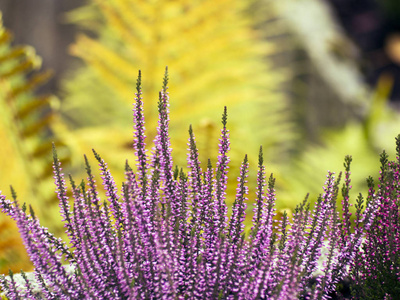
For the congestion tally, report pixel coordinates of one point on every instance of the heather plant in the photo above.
(167, 234)
(376, 271)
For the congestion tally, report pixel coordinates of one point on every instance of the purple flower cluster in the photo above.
(376, 271)
(167, 235)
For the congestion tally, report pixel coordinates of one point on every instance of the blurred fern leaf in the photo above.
(26, 135)
(216, 58)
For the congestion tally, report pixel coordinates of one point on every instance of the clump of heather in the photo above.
(376, 270)
(167, 235)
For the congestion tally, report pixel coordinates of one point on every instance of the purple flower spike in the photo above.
(163, 147)
(222, 177)
(236, 225)
(139, 143)
(195, 180)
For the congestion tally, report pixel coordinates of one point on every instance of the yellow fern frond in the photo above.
(216, 58)
(26, 134)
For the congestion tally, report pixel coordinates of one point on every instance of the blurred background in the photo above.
(309, 80)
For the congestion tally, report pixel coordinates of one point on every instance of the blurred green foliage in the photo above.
(363, 139)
